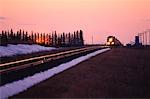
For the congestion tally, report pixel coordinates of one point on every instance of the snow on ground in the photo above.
(19, 49)
(22, 85)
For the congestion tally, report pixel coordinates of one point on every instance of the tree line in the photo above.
(46, 39)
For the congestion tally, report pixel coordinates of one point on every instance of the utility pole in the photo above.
(145, 38)
(149, 35)
(92, 39)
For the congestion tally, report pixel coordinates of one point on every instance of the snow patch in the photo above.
(19, 49)
(22, 85)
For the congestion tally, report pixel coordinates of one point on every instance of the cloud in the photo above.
(26, 24)
(2, 18)
(147, 20)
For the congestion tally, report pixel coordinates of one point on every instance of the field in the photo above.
(120, 72)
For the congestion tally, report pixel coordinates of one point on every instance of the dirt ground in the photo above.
(119, 73)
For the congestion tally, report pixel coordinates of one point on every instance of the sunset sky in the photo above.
(97, 18)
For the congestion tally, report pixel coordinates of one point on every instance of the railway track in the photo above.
(21, 64)
(20, 69)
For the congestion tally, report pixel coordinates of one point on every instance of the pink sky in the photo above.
(97, 18)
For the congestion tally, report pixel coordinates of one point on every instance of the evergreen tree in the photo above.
(66, 39)
(81, 38)
(11, 31)
(69, 39)
(17, 38)
(35, 37)
(38, 38)
(8, 37)
(63, 38)
(23, 35)
(74, 39)
(14, 37)
(3, 38)
(20, 33)
(41, 38)
(52, 39)
(11, 35)
(26, 36)
(32, 36)
(47, 39)
(44, 38)
(55, 38)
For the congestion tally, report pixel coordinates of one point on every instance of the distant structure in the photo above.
(113, 41)
(49, 39)
(137, 41)
(144, 37)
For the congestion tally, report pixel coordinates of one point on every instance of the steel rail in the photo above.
(43, 59)
(45, 56)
